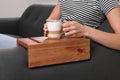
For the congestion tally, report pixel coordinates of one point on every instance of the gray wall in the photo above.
(15, 8)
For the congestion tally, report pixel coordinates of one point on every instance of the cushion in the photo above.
(33, 19)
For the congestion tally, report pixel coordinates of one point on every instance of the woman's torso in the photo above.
(87, 12)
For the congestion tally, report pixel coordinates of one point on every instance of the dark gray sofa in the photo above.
(103, 65)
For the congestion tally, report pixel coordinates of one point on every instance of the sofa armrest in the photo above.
(9, 25)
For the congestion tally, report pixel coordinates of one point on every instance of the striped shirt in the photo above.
(87, 12)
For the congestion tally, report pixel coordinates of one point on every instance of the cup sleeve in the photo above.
(107, 5)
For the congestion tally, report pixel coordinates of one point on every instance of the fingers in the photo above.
(69, 28)
(73, 34)
(45, 29)
(67, 24)
(72, 29)
(70, 33)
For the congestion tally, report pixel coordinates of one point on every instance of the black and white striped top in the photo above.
(88, 12)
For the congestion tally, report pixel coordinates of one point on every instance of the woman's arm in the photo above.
(111, 40)
(55, 15)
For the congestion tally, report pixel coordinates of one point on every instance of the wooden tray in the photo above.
(43, 52)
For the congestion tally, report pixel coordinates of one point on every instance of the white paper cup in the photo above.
(54, 29)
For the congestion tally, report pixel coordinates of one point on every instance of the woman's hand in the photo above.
(45, 29)
(73, 29)
(55, 15)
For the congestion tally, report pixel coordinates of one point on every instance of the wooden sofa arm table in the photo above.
(50, 51)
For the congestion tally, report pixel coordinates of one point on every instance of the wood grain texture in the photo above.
(49, 52)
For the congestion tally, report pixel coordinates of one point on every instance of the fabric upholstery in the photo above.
(105, 26)
(9, 25)
(33, 19)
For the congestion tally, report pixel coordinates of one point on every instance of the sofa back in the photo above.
(33, 19)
